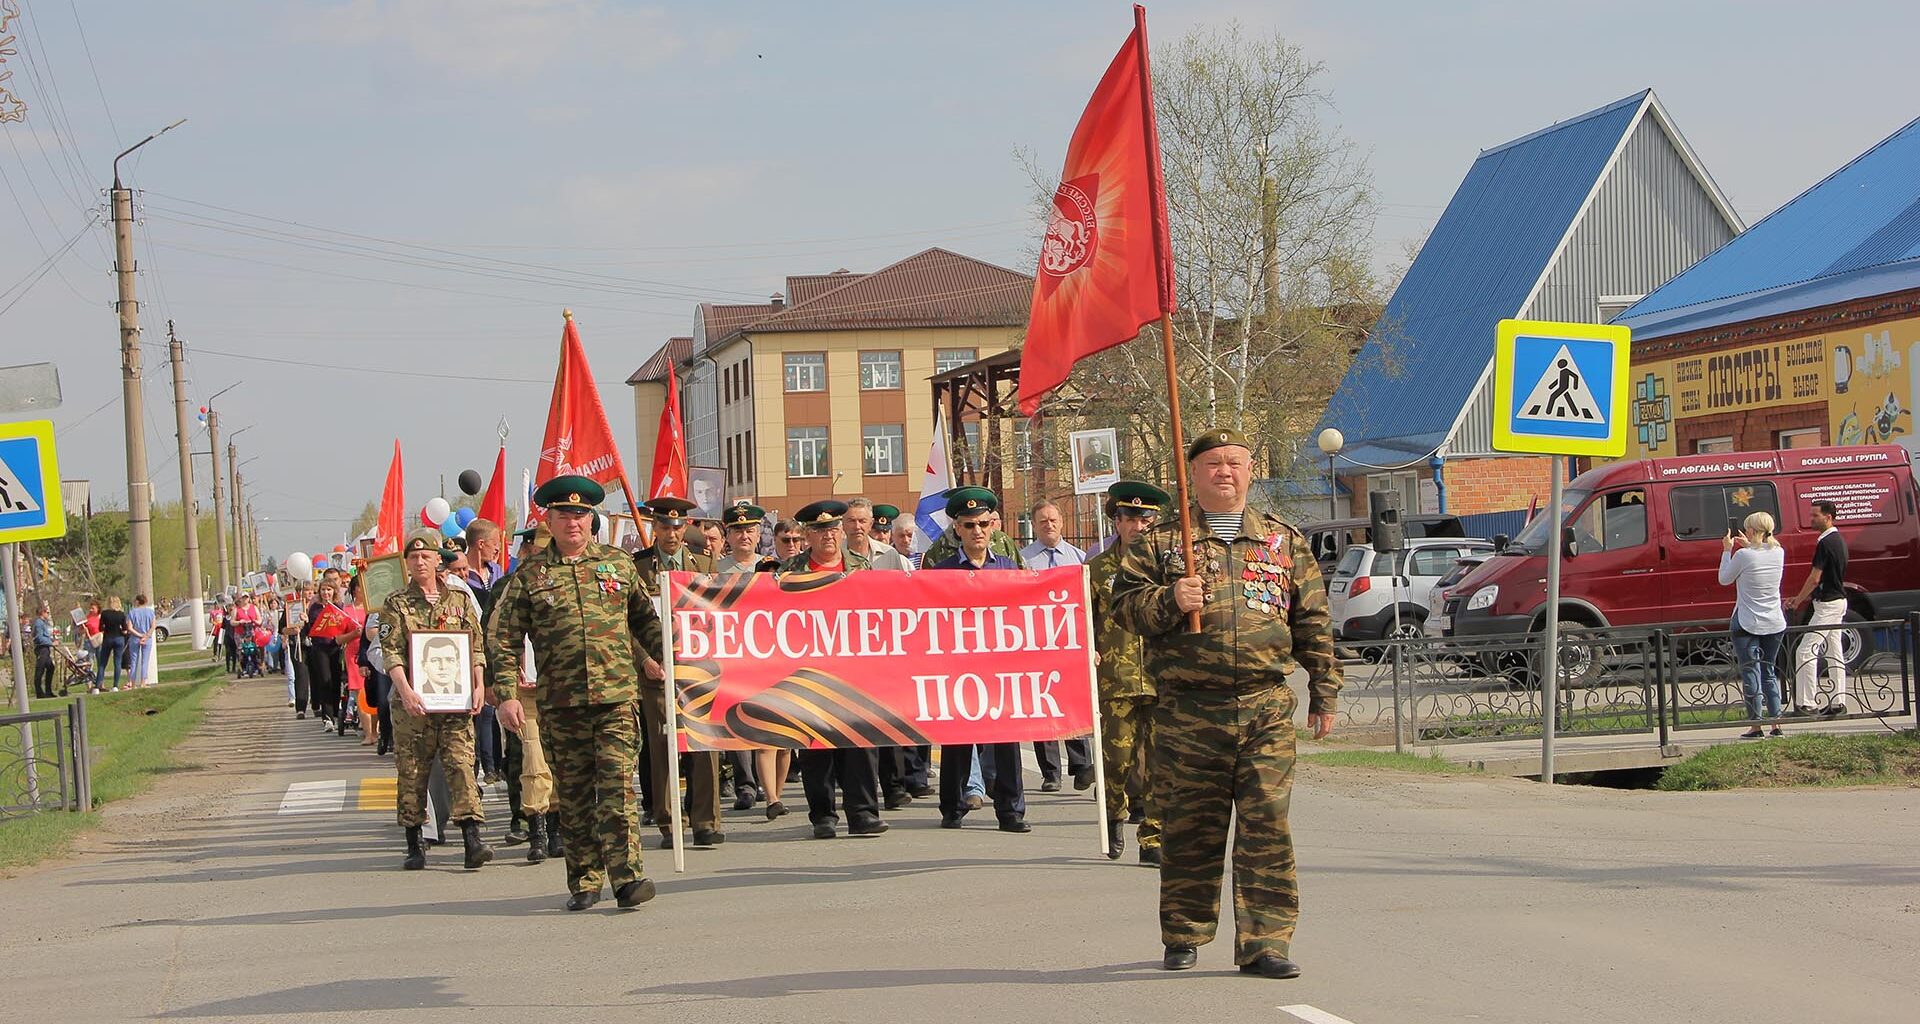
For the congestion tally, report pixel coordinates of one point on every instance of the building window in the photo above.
(740, 372)
(1406, 484)
(751, 456)
(1712, 445)
(806, 451)
(1613, 305)
(806, 371)
(879, 371)
(945, 359)
(1805, 437)
(1022, 445)
(975, 457)
(884, 449)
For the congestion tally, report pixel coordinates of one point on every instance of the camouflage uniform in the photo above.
(1223, 740)
(418, 739)
(947, 545)
(1126, 703)
(589, 617)
(703, 766)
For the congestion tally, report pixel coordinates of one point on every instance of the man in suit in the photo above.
(670, 553)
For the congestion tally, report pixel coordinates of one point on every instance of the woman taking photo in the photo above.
(1751, 560)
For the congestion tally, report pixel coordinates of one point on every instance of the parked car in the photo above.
(178, 621)
(1439, 623)
(1329, 539)
(1641, 541)
(1366, 587)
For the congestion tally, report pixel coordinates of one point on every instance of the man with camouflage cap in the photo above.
(1126, 691)
(590, 617)
(670, 553)
(1223, 738)
(419, 736)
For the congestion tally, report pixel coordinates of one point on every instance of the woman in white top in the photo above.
(1752, 561)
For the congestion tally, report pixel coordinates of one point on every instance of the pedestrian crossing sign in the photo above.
(1560, 388)
(29, 483)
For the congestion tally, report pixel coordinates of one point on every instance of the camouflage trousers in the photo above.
(535, 778)
(1126, 734)
(417, 740)
(1215, 757)
(592, 750)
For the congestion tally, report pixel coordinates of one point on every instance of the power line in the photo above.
(91, 66)
(33, 277)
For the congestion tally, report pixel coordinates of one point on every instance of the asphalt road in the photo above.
(1426, 900)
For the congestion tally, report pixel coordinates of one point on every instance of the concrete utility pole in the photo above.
(219, 500)
(233, 474)
(253, 538)
(139, 488)
(189, 513)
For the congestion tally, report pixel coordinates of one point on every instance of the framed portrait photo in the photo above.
(440, 667)
(1095, 456)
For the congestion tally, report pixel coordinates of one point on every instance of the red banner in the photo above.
(578, 439)
(669, 447)
(878, 659)
(392, 521)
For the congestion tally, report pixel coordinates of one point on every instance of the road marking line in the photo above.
(314, 797)
(1313, 1015)
(378, 794)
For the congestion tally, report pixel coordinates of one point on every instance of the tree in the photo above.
(369, 514)
(1270, 210)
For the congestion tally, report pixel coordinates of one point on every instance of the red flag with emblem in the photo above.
(578, 440)
(392, 521)
(493, 504)
(670, 447)
(1106, 267)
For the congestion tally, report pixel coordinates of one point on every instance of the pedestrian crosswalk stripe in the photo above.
(314, 797)
(377, 794)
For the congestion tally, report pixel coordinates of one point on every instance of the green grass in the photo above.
(1423, 764)
(1807, 760)
(133, 734)
(1483, 724)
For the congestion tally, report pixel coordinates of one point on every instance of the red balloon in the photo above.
(203, 410)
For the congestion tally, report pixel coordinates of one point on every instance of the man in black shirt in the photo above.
(1826, 586)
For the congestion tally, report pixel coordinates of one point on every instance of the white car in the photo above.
(1366, 586)
(1439, 622)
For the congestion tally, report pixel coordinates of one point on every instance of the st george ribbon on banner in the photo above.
(880, 659)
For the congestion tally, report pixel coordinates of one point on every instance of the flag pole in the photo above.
(1162, 249)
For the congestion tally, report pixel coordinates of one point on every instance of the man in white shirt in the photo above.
(858, 526)
(1050, 550)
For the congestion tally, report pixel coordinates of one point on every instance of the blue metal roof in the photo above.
(1483, 257)
(1856, 233)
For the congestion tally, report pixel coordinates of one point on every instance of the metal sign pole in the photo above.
(20, 641)
(1550, 676)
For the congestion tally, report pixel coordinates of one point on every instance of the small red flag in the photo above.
(493, 504)
(393, 508)
(1106, 267)
(669, 447)
(578, 440)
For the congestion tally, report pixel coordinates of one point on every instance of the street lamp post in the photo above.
(1330, 442)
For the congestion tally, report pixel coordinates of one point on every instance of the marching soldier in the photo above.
(588, 614)
(856, 769)
(971, 509)
(670, 553)
(1126, 692)
(529, 781)
(742, 521)
(419, 736)
(1223, 738)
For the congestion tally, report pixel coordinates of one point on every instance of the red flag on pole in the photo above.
(670, 447)
(1106, 267)
(493, 504)
(578, 440)
(393, 508)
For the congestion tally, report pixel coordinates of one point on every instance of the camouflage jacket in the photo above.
(1268, 610)
(591, 619)
(1123, 672)
(802, 562)
(408, 611)
(648, 560)
(947, 543)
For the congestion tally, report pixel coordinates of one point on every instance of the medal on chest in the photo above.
(607, 578)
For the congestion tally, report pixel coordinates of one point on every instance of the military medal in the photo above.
(608, 579)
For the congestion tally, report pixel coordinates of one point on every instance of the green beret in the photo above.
(421, 539)
(1134, 496)
(1219, 437)
(569, 492)
(967, 501)
(743, 513)
(884, 515)
(669, 511)
(822, 514)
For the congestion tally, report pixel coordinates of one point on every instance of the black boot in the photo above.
(554, 849)
(478, 852)
(536, 838)
(416, 854)
(1116, 839)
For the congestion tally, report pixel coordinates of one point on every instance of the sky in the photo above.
(377, 209)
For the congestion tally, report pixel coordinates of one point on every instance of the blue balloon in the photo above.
(321, 562)
(465, 517)
(450, 527)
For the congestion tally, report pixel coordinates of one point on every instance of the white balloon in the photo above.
(300, 566)
(437, 511)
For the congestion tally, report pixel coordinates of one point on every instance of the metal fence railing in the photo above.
(1615, 681)
(44, 761)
